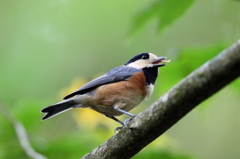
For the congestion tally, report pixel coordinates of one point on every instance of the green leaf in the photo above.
(166, 12)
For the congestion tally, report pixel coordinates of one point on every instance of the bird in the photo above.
(116, 92)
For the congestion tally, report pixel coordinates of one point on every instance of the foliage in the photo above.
(164, 11)
(44, 45)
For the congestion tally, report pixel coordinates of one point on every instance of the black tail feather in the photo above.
(57, 108)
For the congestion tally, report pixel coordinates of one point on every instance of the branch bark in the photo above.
(172, 106)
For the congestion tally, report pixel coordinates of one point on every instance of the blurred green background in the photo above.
(50, 48)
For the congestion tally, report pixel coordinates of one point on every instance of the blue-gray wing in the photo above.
(117, 74)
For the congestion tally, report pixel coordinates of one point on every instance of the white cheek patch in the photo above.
(152, 56)
(139, 64)
(150, 89)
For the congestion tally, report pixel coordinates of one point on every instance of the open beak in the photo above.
(160, 61)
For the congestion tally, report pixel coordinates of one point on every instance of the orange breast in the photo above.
(124, 95)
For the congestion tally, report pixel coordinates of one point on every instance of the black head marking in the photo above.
(143, 56)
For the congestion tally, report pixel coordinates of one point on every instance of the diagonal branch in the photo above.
(172, 106)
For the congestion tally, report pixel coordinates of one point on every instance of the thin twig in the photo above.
(21, 133)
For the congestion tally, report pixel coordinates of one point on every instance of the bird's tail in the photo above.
(58, 108)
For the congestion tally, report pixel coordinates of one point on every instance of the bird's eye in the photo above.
(144, 57)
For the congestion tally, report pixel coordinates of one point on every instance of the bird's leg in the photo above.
(126, 121)
(122, 123)
(117, 128)
(124, 112)
(112, 117)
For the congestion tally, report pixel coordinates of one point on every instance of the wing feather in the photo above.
(117, 74)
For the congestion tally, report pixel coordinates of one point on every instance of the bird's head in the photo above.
(146, 59)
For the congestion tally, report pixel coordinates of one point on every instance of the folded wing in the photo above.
(117, 74)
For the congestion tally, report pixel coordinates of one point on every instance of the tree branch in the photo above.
(172, 106)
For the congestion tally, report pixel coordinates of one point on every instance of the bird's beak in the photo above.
(160, 61)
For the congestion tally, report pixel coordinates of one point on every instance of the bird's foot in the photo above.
(117, 129)
(126, 121)
(124, 125)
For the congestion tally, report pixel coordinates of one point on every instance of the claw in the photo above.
(124, 125)
(117, 129)
(126, 121)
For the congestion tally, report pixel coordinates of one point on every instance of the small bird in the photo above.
(116, 92)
